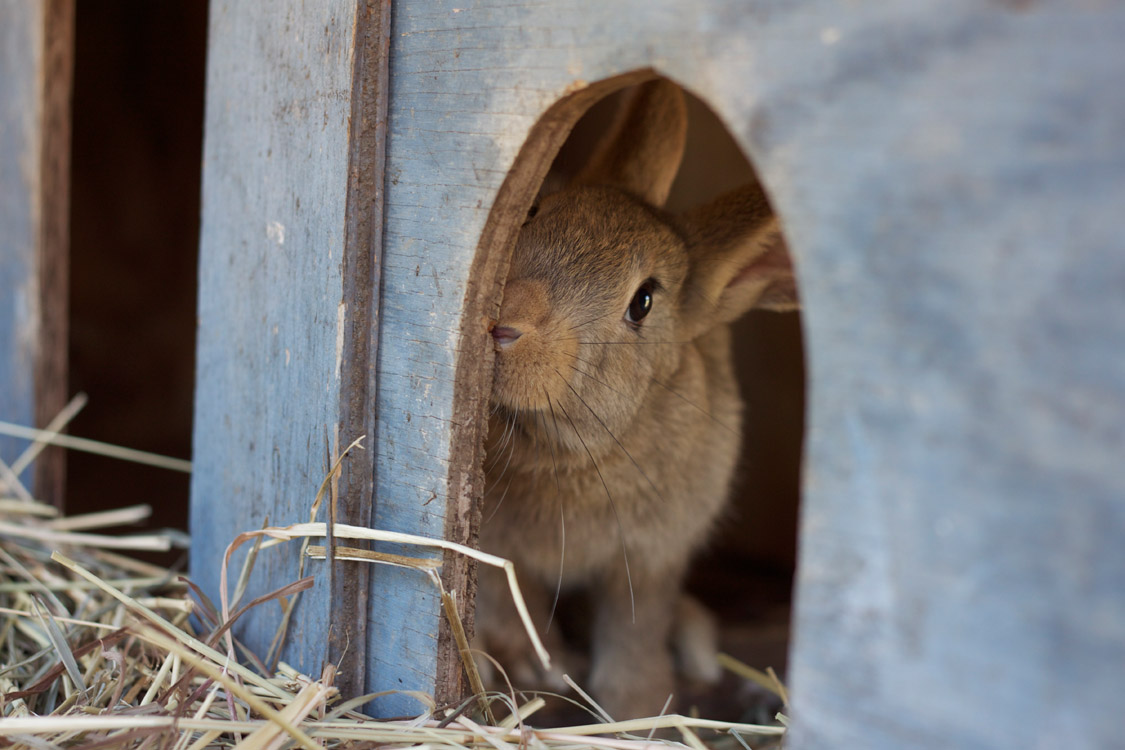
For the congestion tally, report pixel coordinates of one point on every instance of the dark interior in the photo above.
(746, 575)
(137, 141)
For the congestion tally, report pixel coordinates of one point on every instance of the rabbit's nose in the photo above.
(505, 335)
(524, 311)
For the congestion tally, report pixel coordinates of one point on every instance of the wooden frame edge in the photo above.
(473, 378)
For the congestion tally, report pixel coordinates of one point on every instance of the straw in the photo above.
(97, 651)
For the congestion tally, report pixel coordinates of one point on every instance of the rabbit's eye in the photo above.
(530, 215)
(642, 302)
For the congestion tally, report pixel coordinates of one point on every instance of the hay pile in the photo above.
(98, 650)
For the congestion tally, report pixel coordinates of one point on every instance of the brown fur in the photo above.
(625, 436)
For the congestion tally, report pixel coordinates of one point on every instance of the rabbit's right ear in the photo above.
(739, 261)
(643, 150)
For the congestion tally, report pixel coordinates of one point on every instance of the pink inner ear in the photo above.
(773, 272)
(773, 265)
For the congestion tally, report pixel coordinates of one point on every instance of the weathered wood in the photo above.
(473, 376)
(948, 175)
(363, 247)
(289, 290)
(36, 67)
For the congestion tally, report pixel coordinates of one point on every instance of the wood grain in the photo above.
(949, 177)
(363, 249)
(925, 159)
(288, 291)
(473, 383)
(36, 75)
(51, 369)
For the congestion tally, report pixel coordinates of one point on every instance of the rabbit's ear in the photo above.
(739, 261)
(643, 149)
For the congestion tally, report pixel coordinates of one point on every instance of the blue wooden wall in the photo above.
(273, 299)
(950, 177)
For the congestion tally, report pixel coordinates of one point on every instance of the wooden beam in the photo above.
(36, 74)
(363, 257)
(289, 299)
(473, 384)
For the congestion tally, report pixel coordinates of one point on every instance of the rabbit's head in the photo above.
(605, 289)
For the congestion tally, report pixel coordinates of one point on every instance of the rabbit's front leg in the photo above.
(501, 635)
(632, 671)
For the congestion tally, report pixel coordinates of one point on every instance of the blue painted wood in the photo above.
(948, 174)
(36, 55)
(285, 300)
(954, 178)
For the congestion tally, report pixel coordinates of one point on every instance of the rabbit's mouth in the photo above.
(534, 348)
(529, 374)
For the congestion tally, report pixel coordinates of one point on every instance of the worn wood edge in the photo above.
(362, 269)
(473, 374)
(52, 254)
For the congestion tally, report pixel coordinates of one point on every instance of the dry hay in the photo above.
(98, 650)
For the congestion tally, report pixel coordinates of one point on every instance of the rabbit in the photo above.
(617, 417)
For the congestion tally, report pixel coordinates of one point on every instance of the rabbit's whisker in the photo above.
(594, 366)
(585, 374)
(500, 502)
(696, 406)
(509, 440)
(588, 322)
(510, 445)
(610, 433)
(562, 518)
(636, 343)
(509, 419)
(513, 426)
(665, 386)
(505, 438)
(613, 507)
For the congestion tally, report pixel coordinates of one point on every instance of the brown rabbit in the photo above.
(617, 414)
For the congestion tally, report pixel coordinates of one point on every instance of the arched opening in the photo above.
(744, 573)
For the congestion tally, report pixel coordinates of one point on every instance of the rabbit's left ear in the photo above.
(739, 261)
(643, 150)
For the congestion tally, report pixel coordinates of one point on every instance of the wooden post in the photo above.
(289, 289)
(36, 72)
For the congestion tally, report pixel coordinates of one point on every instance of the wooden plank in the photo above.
(289, 275)
(962, 524)
(959, 579)
(949, 177)
(362, 270)
(36, 66)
